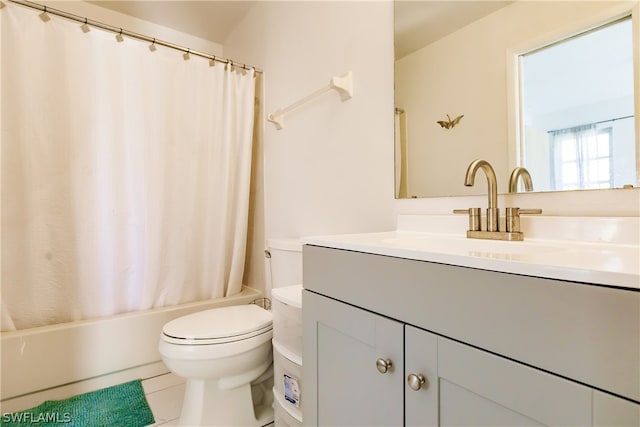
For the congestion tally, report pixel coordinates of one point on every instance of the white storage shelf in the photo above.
(287, 355)
(287, 320)
(282, 415)
(288, 381)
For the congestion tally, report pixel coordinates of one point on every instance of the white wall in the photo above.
(330, 170)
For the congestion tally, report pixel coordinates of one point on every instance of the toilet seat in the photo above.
(218, 326)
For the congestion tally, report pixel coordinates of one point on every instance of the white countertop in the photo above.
(602, 260)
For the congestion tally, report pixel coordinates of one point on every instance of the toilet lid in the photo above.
(220, 323)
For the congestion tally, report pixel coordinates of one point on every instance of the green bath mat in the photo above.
(122, 405)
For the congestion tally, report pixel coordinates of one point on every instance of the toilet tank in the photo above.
(284, 266)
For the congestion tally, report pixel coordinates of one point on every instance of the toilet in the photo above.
(226, 356)
(226, 353)
(283, 263)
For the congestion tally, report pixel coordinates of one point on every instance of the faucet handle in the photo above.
(513, 217)
(529, 211)
(474, 217)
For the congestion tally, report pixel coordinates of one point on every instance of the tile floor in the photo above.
(164, 394)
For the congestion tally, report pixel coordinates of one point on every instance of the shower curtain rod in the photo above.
(594, 123)
(130, 34)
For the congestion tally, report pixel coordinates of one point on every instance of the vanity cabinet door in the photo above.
(479, 388)
(344, 349)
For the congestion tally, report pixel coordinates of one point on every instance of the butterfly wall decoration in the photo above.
(448, 124)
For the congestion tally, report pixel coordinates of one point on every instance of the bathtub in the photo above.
(56, 361)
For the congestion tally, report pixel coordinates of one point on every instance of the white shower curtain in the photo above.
(125, 174)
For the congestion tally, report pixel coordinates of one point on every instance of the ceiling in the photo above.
(417, 23)
(209, 20)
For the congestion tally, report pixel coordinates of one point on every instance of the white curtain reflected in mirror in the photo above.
(401, 153)
(577, 104)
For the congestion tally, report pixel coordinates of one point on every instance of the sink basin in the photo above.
(474, 247)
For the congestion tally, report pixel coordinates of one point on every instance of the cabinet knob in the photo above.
(416, 381)
(383, 365)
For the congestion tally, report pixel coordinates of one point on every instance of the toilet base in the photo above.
(206, 404)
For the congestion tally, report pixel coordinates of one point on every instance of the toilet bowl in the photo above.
(226, 355)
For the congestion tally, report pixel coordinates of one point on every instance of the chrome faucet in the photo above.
(492, 193)
(526, 180)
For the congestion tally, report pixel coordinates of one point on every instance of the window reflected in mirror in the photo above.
(577, 111)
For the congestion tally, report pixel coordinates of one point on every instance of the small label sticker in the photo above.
(291, 390)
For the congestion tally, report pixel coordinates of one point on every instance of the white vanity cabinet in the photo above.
(428, 322)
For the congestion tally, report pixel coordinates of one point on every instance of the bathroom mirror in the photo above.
(461, 93)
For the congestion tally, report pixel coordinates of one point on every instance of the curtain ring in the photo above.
(43, 15)
(85, 27)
